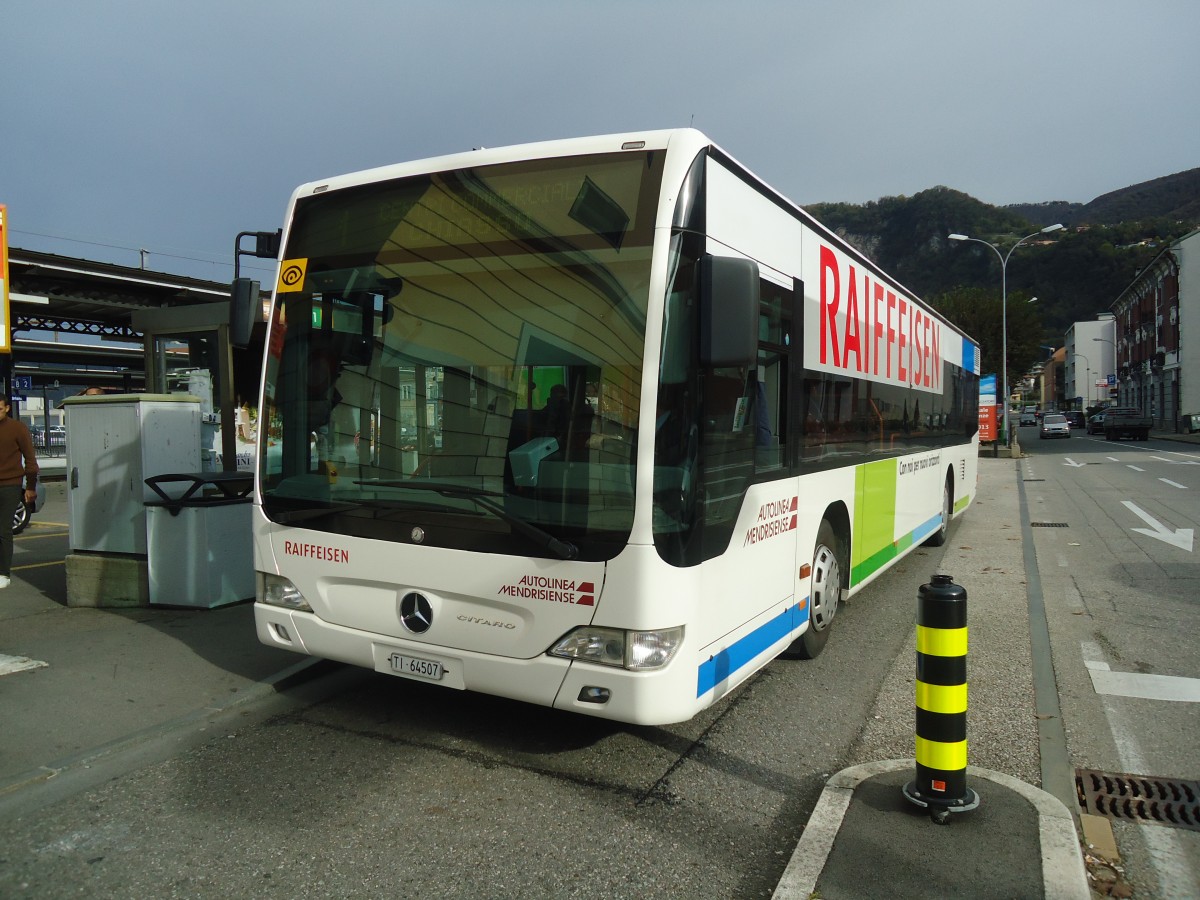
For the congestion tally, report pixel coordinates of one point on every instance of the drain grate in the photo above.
(1049, 525)
(1027, 480)
(1139, 798)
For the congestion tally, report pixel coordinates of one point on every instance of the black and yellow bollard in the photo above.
(941, 782)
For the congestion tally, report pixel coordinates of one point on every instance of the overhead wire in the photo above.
(207, 260)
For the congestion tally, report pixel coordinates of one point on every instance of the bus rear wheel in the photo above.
(825, 594)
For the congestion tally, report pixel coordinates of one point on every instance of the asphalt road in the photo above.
(1122, 587)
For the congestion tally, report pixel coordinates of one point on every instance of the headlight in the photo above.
(275, 590)
(653, 649)
(635, 650)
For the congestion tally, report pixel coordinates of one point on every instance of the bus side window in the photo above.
(775, 343)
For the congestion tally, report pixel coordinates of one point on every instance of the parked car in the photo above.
(1095, 424)
(1075, 418)
(1054, 425)
(24, 514)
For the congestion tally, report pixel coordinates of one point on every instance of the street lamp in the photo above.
(1114, 356)
(1087, 368)
(1004, 304)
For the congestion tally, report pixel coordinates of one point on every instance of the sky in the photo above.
(170, 126)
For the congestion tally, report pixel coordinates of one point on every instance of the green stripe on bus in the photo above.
(873, 564)
(879, 559)
(874, 512)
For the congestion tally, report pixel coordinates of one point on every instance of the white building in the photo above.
(1091, 369)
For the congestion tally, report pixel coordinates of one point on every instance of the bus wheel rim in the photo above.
(826, 588)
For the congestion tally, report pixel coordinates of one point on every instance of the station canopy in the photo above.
(71, 318)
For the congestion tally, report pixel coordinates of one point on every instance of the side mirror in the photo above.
(245, 308)
(729, 299)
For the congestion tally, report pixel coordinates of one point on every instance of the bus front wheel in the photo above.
(824, 596)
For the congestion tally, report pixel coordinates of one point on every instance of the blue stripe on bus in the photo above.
(968, 360)
(925, 529)
(741, 652)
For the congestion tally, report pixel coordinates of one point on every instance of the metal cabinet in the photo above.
(114, 443)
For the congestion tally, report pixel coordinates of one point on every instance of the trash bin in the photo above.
(199, 545)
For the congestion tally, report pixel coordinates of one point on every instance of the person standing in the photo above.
(18, 462)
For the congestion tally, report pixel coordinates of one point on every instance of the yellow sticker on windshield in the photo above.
(291, 275)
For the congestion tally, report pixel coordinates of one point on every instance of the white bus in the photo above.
(603, 424)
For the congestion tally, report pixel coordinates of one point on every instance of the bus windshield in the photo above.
(455, 359)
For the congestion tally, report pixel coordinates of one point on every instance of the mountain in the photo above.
(1172, 197)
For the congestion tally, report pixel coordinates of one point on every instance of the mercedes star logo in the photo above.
(416, 613)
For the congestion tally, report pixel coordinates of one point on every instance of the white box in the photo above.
(202, 556)
(114, 443)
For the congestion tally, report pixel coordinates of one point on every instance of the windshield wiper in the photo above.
(482, 499)
(291, 516)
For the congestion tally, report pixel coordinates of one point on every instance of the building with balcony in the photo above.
(1154, 362)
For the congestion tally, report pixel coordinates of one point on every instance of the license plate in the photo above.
(415, 667)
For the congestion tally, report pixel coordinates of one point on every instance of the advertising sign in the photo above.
(866, 328)
(987, 390)
(987, 408)
(987, 423)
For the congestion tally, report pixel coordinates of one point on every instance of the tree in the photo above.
(980, 313)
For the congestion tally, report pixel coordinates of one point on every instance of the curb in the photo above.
(1063, 872)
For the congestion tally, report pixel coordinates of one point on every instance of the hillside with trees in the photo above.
(1175, 198)
(1075, 274)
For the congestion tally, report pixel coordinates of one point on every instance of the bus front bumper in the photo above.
(645, 698)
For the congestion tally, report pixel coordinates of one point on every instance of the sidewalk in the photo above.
(864, 834)
(865, 839)
(1193, 438)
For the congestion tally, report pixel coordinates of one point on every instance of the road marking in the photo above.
(1139, 684)
(1074, 465)
(1135, 468)
(1112, 459)
(42, 565)
(1168, 855)
(1182, 487)
(11, 664)
(1181, 538)
(26, 536)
